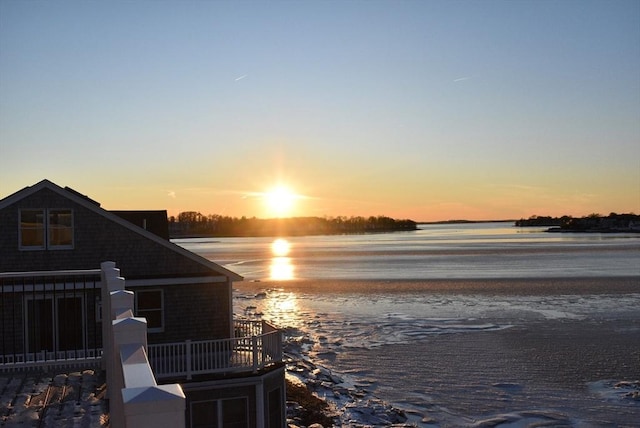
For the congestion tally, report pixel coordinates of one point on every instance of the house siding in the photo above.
(217, 393)
(275, 381)
(96, 239)
(210, 321)
(248, 388)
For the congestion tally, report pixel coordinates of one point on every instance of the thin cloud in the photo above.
(461, 79)
(261, 195)
(241, 77)
(171, 194)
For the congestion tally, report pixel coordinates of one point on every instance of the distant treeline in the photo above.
(193, 223)
(591, 223)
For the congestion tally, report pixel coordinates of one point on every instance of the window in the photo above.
(54, 323)
(32, 229)
(234, 413)
(60, 228)
(226, 413)
(46, 229)
(204, 414)
(150, 304)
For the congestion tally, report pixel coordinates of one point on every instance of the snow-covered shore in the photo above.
(547, 356)
(351, 402)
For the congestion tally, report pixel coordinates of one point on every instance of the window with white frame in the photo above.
(48, 229)
(150, 305)
(60, 229)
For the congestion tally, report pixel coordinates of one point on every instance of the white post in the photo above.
(121, 303)
(129, 330)
(187, 344)
(108, 272)
(126, 331)
(254, 349)
(111, 281)
(155, 406)
(124, 341)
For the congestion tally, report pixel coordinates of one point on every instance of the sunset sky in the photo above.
(429, 110)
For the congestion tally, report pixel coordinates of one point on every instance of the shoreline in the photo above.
(578, 362)
(502, 286)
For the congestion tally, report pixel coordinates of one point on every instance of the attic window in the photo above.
(60, 228)
(46, 229)
(32, 229)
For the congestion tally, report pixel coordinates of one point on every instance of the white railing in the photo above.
(249, 353)
(46, 358)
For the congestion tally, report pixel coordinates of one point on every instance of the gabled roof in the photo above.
(92, 205)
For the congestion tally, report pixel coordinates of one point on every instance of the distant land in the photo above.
(465, 221)
(194, 224)
(613, 223)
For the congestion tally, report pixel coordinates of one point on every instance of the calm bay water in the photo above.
(521, 358)
(479, 250)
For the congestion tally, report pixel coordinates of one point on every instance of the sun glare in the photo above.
(280, 201)
(280, 247)
(281, 267)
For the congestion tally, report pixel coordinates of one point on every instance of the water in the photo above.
(499, 326)
(483, 250)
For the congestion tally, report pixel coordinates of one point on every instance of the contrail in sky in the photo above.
(241, 77)
(460, 79)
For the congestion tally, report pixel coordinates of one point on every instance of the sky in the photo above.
(428, 110)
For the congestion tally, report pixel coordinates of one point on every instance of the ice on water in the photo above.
(341, 324)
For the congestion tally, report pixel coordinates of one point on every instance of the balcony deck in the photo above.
(257, 345)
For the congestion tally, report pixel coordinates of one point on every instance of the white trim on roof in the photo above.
(174, 281)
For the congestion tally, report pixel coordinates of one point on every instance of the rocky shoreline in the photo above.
(348, 402)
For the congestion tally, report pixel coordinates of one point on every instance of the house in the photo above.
(52, 243)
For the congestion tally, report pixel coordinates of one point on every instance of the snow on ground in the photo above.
(53, 399)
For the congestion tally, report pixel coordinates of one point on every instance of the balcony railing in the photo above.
(50, 319)
(257, 344)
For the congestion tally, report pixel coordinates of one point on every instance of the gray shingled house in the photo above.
(52, 242)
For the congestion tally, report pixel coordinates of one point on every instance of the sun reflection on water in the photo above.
(281, 267)
(282, 308)
(280, 247)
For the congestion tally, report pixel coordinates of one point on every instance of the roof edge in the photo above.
(91, 205)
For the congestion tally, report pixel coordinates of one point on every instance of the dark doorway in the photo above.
(40, 325)
(58, 328)
(70, 324)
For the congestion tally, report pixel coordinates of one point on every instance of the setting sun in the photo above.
(280, 201)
